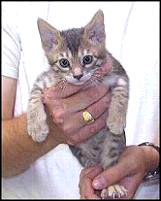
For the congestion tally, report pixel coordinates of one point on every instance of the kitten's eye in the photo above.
(87, 59)
(64, 63)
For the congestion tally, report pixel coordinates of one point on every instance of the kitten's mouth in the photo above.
(74, 81)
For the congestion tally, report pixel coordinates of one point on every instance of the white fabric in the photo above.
(132, 31)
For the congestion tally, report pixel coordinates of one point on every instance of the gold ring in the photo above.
(87, 117)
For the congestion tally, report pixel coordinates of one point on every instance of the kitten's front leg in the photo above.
(118, 107)
(36, 118)
(112, 148)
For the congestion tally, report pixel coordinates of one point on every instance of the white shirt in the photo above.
(132, 37)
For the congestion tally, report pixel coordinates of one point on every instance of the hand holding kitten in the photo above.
(129, 172)
(66, 109)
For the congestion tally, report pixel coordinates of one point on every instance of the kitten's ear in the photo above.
(95, 29)
(50, 37)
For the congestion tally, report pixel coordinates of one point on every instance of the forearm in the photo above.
(19, 150)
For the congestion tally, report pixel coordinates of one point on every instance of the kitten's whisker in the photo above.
(63, 86)
(95, 80)
(97, 77)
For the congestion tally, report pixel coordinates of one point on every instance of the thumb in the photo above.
(111, 176)
(132, 183)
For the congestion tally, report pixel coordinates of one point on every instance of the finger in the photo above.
(97, 108)
(131, 184)
(112, 175)
(84, 98)
(89, 130)
(64, 89)
(85, 171)
(105, 68)
(91, 172)
(76, 121)
(86, 189)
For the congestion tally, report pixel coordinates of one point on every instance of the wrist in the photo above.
(151, 160)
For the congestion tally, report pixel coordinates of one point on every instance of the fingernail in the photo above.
(99, 183)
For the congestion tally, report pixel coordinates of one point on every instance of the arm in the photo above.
(19, 151)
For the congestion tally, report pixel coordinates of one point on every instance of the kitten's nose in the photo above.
(78, 77)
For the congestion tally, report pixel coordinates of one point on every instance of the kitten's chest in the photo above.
(89, 152)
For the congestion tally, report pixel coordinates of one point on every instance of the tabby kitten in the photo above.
(75, 56)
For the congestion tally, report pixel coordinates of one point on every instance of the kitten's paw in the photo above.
(38, 132)
(114, 192)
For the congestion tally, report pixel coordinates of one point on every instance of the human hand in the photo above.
(66, 102)
(128, 172)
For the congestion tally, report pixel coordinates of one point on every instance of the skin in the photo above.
(129, 171)
(64, 119)
(67, 113)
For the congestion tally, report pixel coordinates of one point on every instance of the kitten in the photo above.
(75, 56)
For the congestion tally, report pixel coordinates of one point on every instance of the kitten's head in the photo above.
(75, 54)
